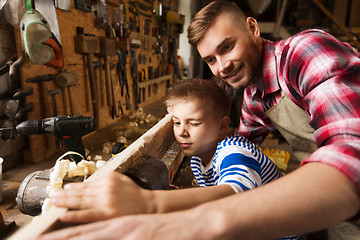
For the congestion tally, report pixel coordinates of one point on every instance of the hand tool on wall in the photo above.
(13, 106)
(20, 94)
(53, 93)
(98, 78)
(42, 81)
(122, 68)
(89, 45)
(143, 89)
(47, 9)
(136, 12)
(39, 42)
(119, 72)
(176, 19)
(63, 5)
(102, 16)
(119, 19)
(83, 5)
(116, 107)
(134, 75)
(107, 50)
(24, 110)
(12, 11)
(68, 130)
(12, 65)
(66, 79)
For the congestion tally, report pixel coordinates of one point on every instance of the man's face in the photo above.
(196, 128)
(231, 51)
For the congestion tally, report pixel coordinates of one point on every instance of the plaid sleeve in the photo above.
(323, 77)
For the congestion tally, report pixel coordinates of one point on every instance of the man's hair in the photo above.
(207, 91)
(206, 16)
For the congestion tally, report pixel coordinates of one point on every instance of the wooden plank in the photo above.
(172, 159)
(354, 19)
(155, 81)
(155, 142)
(340, 9)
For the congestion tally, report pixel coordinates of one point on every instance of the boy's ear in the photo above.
(224, 125)
(169, 109)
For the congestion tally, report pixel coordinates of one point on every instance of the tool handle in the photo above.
(22, 93)
(43, 78)
(93, 88)
(108, 82)
(74, 144)
(28, 6)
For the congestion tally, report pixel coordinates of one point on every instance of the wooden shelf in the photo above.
(154, 81)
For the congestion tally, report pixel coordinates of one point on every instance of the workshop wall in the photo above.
(143, 48)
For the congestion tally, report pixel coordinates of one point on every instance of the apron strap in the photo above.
(293, 123)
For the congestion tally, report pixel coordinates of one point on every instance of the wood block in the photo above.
(86, 44)
(107, 47)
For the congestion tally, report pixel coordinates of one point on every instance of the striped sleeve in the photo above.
(240, 171)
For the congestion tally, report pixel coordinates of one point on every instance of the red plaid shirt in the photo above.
(322, 76)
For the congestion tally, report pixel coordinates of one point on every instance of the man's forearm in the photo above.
(311, 198)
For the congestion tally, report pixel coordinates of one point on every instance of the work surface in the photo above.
(183, 179)
(94, 142)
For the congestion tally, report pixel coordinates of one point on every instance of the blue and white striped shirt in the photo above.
(239, 163)
(236, 162)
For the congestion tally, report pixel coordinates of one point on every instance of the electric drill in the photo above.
(68, 130)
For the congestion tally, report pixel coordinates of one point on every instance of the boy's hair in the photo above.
(206, 16)
(211, 95)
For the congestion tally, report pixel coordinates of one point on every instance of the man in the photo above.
(311, 76)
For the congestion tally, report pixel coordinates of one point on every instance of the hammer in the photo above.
(52, 93)
(65, 80)
(108, 49)
(88, 45)
(44, 92)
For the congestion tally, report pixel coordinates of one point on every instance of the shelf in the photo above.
(154, 81)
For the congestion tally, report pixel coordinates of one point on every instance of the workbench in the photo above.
(13, 178)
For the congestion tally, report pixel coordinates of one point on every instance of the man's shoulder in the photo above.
(310, 33)
(304, 38)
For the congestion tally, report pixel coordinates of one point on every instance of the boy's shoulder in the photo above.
(232, 145)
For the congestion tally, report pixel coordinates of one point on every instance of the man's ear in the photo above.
(253, 27)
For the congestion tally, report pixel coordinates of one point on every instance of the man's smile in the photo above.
(233, 75)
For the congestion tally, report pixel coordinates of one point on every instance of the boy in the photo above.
(201, 111)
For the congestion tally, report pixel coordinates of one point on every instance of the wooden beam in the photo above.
(351, 37)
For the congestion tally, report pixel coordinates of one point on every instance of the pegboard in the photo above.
(153, 49)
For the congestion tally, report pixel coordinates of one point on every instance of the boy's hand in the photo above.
(115, 195)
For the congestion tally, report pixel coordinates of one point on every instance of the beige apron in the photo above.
(293, 123)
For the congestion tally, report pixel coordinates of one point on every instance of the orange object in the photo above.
(57, 60)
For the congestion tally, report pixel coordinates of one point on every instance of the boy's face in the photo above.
(232, 51)
(196, 129)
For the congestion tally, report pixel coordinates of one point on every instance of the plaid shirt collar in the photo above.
(269, 82)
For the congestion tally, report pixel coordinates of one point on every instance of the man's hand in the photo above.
(113, 196)
(139, 227)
